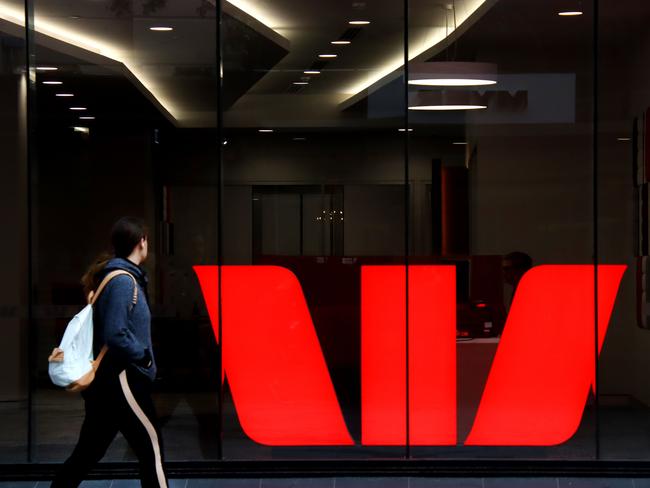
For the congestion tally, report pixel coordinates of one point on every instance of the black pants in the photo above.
(116, 402)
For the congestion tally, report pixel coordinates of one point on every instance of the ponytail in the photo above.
(90, 279)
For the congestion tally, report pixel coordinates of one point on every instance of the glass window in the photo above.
(126, 125)
(14, 198)
(500, 175)
(622, 220)
(313, 191)
(373, 225)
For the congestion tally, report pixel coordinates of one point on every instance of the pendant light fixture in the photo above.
(571, 8)
(451, 75)
(451, 72)
(446, 100)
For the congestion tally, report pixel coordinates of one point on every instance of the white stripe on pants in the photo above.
(153, 436)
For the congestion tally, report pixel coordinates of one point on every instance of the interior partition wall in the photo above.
(379, 231)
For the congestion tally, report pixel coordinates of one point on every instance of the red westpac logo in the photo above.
(535, 394)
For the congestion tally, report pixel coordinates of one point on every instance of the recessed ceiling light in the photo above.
(404, 130)
(311, 72)
(65, 95)
(301, 83)
(266, 131)
(53, 83)
(572, 13)
(161, 29)
(78, 108)
(84, 130)
(624, 139)
(327, 55)
(46, 68)
(340, 43)
(299, 138)
(459, 143)
(447, 107)
(87, 118)
(359, 22)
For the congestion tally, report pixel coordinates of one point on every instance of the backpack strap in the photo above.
(93, 296)
(99, 357)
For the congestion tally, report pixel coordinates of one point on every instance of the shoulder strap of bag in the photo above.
(92, 298)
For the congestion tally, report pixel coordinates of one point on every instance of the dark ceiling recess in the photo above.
(295, 88)
(318, 65)
(111, 98)
(350, 34)
(247, 57)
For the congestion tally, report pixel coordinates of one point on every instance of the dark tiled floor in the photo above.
(366, 483)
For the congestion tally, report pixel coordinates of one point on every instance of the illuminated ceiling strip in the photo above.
(434, 37)
(264, 22)
(262, 15)
(61, 33)
(12, 14)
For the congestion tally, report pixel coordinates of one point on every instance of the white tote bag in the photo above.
(72, 365)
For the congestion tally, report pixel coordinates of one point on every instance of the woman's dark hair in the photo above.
(126, 234)
(90, 280)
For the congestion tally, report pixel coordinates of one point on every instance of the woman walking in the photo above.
(119, 399)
